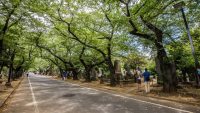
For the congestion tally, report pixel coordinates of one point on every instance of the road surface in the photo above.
(39, 94)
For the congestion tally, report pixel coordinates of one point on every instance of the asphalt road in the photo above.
(39, 94)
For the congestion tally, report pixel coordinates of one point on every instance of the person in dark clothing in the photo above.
(198, 73)
(146, 75)
(64, 75)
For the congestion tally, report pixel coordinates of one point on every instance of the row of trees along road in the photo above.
(71, 35)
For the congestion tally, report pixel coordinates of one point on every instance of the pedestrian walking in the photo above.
(64, 75)
(187, 78)
(139, 82)
(198, 74)
(146, 75)
(198, 71)
(138, 77)
(99, 73)
(27, 74)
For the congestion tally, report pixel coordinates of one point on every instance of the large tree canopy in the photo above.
(75, 35)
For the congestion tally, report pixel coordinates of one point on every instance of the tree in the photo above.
(77, 35)
(9, 17)
(68, 64)
(148, 30)
(89, 66)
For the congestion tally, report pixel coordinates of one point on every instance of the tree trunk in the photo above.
(11, 69)
(94, 73)
(13, 74)
(112, 72)
(184, 75)
(197, 79)
(8, 83)
(1, 68)
(60, 70)
(17, 72)
(21, 73)
(166, 69)
(75, 74)
(1, 45)
(88, 74)
(1, 53)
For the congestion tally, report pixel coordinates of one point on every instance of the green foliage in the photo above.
(101, 26)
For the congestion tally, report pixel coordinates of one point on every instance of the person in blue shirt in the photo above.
(146, 75)
(198, 73)
(64, 75)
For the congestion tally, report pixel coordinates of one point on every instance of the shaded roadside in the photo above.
(6, 92)
(186, 95)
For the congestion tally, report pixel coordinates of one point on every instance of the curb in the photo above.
(161, 98)
(12, 92)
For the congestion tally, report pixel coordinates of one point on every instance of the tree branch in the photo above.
(153, 28)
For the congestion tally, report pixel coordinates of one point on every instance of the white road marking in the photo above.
(33, 97)
(117, 95)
